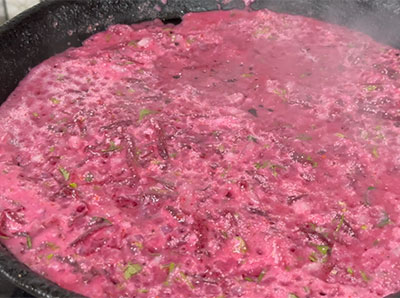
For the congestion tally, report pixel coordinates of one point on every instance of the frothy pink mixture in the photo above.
(238, 154)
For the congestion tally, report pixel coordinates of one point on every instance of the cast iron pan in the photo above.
(54, 25)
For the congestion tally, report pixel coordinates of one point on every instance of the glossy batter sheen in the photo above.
(238, 154)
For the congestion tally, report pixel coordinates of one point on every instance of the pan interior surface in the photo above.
(24, 43)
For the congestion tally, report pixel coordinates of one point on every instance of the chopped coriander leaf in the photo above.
(52, 246)
(4, 237)
(36, 115)
(55, 100)
(371, 88)
(385, 220)
(340, 135)
(247, 75)
(261, 165)
(282, 93)
(221, 148)
(28, 241)
(186, 280)
(375, 152)
(261, 276)
(143, 291)
(340, 224)
(100, 219)
(145, 112)
(73, 185)
(50, 256)
(138, 244)
(171, 267)
(251, 138)
(132, 269)
(371, 188)
(323, 249)
(65, 173)
(304, 137)
(364, 227)
(313, 163)
(112, 147)
(350, 270)
(291, 295)
(240, 246)
(52, 148)
(312, 257)
(364, 276)
(248, 279)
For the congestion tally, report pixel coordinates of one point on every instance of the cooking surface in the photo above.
(251, 145)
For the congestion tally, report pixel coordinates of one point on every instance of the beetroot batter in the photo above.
(238, 154)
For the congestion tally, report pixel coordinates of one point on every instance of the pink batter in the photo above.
(238, 154)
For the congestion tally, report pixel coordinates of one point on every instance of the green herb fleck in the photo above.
(371, 188)
(28, 241)
(171, 267)
(65, 173)
(261, 276)
(252, 139)
(340, 224)
(312, 257)
(291, 295)
(323, 249)
(364, 227)
(138, 244)
(36, 115)
(224, 234)
(282, 93)
(52, 246)
(261, 165)
(350, 270)
(385, 220)
(52, 148)
(145, 112)
(99, 219)
(313, 163)
(50, 256)
(186, 280)
(371, 88)
(248, 279)
(143, 291)
(240, 246)
(340, 135)
(375, 152)
(364, 276)
(304, 137)
(132, 269)
(55, 100)
(221, 148)
(4, 237)
(73, 185)
(247, 75)
(112, 147)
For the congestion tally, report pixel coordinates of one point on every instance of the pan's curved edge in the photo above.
(31, 282)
